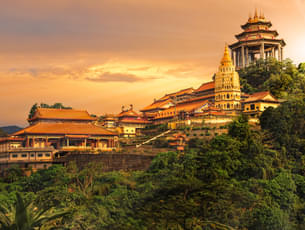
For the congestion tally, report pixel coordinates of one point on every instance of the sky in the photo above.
(98, 55)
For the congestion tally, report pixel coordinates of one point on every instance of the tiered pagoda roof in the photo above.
(61, 114)
(255, 29)
(65, 128)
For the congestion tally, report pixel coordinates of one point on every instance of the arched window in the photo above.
(228, 106)
(228, 96)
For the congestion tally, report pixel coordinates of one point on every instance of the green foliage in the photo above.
(24, 215)
(160, 143)
(246, 179)
(287, 126)
(282, 79)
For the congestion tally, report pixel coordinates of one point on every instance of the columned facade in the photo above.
(257, 41)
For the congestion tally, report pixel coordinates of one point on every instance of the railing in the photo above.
(154, 138)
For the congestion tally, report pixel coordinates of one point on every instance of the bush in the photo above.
(160, 143)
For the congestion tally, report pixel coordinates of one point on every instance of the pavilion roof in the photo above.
(64, 128)
(261, 96)
(156, 105)
(134, 121)
(61, 114)
(206, 86)
(273, 32)
(176, 94)
(128, 113)
(187, 107)
(239, 42)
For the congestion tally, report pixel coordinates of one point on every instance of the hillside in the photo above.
(10, 129)
(251, 179)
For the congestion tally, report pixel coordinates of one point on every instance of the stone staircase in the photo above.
(154, 138)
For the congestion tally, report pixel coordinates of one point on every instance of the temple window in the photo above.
(228, 105)
(14, 155)
(39, 154)
(252, 106)
(228, 96)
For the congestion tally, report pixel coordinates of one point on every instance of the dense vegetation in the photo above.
(282, 79)
(246, 179)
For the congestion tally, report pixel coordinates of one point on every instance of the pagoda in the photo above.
(256, 41)
(227, 86)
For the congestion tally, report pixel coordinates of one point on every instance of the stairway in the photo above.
(153, 138)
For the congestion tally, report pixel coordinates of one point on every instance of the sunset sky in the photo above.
(98, 55)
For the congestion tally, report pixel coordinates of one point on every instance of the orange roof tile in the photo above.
(64, 128)
(61, 114)
(135, 121)
(261, 96)
(128, 113)
(187, 107)
(202, 98)
(178, 93)
(206, 86)
(156, 105)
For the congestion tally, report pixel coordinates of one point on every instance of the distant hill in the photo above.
(2, 133)
(10, 129)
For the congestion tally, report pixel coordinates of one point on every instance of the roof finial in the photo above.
(255, 14)
(226, 60)
(250, 17)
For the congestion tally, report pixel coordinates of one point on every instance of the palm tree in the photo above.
(25, 216)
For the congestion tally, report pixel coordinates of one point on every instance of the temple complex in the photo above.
(256, 41)
(215, 102)
(53, 133)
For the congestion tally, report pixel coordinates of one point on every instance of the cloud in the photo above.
(144, 68)
(117, 77)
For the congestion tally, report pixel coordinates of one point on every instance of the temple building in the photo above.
(227, 86)
(129, 123)
(256, 41)
(215, 102)
(166, 101)
(53, 133)
(256, 103)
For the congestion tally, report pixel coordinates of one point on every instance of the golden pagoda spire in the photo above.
(226, 60)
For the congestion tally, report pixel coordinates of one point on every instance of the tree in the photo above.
(25, 216)
(280, 78)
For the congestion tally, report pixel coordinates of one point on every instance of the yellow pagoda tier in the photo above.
(227, 86)
(256, 41)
